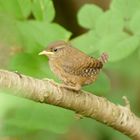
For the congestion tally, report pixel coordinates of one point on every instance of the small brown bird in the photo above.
(72, 66)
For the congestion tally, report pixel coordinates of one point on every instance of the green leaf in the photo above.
(109, 23)
(17, 8)
(28, 115)
(25, 7)
(32, 64)
(119, 47)
(43, 10)
(134, 24)
(108, 42)
(41, 32)
(26, 63)
(12, 130)
(88, 14)
(9, 34)
(126, 7)
(100, 86)
(86, 42)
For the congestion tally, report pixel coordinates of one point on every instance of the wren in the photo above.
(72, 66)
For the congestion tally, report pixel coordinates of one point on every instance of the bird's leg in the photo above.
(103, 58)
(75, 88)
(78, 87)
(49, 80)
(46, 79)
(78, 116)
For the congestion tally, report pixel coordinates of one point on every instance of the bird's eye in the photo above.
(55, 50)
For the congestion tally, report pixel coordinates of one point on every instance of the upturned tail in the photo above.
(104, 58)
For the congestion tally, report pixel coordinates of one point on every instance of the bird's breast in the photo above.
(57, 69)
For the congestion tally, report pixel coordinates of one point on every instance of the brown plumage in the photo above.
(72, 66)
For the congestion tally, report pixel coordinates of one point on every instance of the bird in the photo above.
(72, 66)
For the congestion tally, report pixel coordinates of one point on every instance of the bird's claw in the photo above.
(74, 88)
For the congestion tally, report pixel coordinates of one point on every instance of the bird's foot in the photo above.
(49, 80)
(46, 79)
(78, 116)
(74, 88)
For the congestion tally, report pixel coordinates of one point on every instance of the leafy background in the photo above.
(28, 26)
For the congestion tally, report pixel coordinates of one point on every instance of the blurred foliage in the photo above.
(37, 116)
(27, 27)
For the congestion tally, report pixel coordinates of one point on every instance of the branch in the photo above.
(86, 104)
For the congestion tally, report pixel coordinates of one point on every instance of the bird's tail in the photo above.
(104, 58)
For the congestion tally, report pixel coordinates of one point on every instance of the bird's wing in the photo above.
(82, 66)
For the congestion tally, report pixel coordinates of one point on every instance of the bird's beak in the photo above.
(45, 53)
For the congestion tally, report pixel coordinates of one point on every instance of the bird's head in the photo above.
(55, 49)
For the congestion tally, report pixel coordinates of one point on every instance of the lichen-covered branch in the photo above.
(86, 104)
